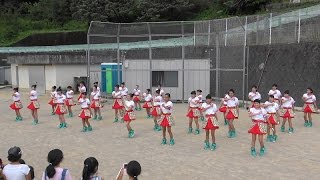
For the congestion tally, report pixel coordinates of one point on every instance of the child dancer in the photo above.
(136, 98)
(148, 102)
(199, 95)
(97, 84)
(69, 100)
(310, 106)
(60, 107)
(96, 103)
(287, 111)
(254, 94)
(156, 110)
(52, 96)
(166, 120)
(129, 115)
(85, 113)
(117, 103)
(259, 126)
(272, 108)
(124, 90)
(161, 91)
(82, 89)
(211, 122)
(193, 112)
(16, 105)
(276, 93)
(232, 112)
(223, 108)
(34, 105)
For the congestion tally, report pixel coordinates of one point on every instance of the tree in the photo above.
(239, 7)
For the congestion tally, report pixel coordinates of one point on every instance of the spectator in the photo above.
(90, 169)
(21, 161)
(1, 168)
(133, 170)
(15, 170)
(54, 171)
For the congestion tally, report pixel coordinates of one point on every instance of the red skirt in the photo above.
(272, 119)
(309, 108)
(231, 114)
(60, 109)
(166, 120)
(258, 127)
(80, 96)
(223, 109)
(193, 113)
(147, 105)
(69, 102)
(129, 116)
(16, 105)
(136, 98)
(85, 114)
(95, 104)
(117, 104)
(287, 113)
(156, 111)
(51, 102)
(209, 123)
(33, 105)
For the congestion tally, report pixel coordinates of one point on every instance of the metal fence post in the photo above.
(150, 54)
(226, 33)
(183, 57)
(194, 33)
(217, 65)
(270, 29)
(244, 60)
(299, 26)
(88, 62)
(118, 53)
(209, 32)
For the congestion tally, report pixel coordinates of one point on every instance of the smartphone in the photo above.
(125, 166)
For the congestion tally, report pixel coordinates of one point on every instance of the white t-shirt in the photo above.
(84, 103)
(272, 108)
(157, 101)
(276, 93)
(82, 89)
(98, 89)
(33, 95)
(311, 98)
(16, 171)
(16, 96)
(261, 113)
(226, 97)
(212, 110)
(129, 105)
(69, 94)
(200, 98)
(58, 175)
(136, 92)
(232, 102)
(161, 91)
(95, 95)
(287, 104)
(116, 94)
(169, 105)
(193, 102)
(60, 98)
(253, 96)
(53, 94)
(147, 97)
(124, 91)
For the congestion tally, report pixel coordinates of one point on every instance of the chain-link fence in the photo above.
(185, 56)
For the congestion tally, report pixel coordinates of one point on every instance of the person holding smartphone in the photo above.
(132, 169)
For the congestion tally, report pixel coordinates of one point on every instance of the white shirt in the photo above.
(200, 98)
(161, 91)
(98, 89)
(136, 92)
(82, 89)
(53, 94)
(124, 91)
(16, 172)
(272, 108)
(193, 102)
(226, 97)
(84, 103)
(287, 104)
(276, 93)
(169, 105)
(261, 113)
(33, 95)
(232, 102)
(212, 110)
(69, 94)
(311, 98)
(60, 98)
(16, 96)
(116, 95)
(253, 96)
(129, 105)
(147, 97)
(95, 95)
(157, 101)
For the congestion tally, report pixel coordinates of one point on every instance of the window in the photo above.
(165, 78)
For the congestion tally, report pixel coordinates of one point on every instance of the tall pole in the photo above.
(183, 57)
(118, 53)
(88, 62)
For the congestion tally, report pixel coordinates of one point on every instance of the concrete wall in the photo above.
(50, 74)
(14, 78)
(23, 72)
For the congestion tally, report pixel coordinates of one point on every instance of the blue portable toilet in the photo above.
(109, 76)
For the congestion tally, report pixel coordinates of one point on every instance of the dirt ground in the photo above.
(294, 156)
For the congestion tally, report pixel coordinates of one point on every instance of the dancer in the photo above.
(60, 107)
(69, 101)
(259, 127)
(53, 94)
(199, 95)
(211, 122)
(124, 90)
(276, 93)
(166, 120)
(272, 109)
(193, 112)
(34, 105)
(310, 106)
(82, 89)
(254, 94)
(223, 108)
(161, 91)
(16, 105)
(117, 103)
(136, 98)
(148, 102)
(232, 112)
(287, 111)
(130, 115)
(156, 110)
(85, 113)
(97, 84)
(96, 103)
